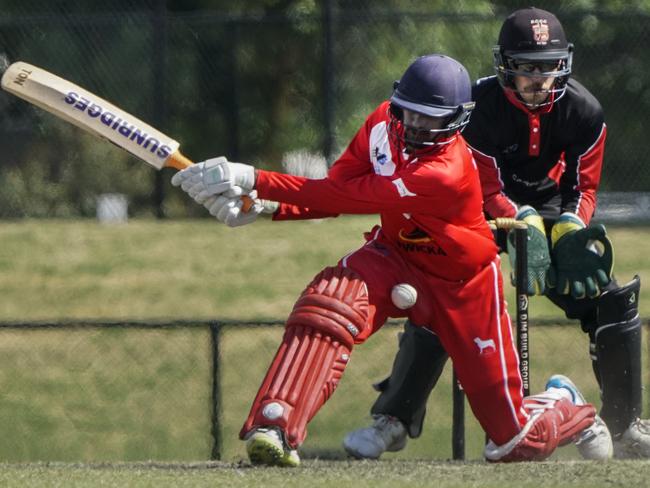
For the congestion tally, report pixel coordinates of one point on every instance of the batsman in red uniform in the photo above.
(409, 164)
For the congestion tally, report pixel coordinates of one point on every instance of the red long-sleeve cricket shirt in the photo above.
(430, 207)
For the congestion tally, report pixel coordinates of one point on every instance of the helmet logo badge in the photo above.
(540, 31)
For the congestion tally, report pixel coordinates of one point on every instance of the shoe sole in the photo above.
(264, 452)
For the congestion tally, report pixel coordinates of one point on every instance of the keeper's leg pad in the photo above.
(552, 423)
(615, 347)
(319, 335)
(417, 367)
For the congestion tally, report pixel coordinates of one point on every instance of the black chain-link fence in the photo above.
(254, 80)
(181, 391)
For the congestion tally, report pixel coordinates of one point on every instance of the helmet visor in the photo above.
(431, 110)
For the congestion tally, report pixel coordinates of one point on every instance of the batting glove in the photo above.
(229, 210)
(215, 177)
(538, 256)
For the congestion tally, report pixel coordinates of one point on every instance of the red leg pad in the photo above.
(575, 419)
(315, 349)
(544, 432)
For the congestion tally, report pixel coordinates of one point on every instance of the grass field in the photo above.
(85, 395)
(196, 269)
(317, 473)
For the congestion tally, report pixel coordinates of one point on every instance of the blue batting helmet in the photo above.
(436, 86)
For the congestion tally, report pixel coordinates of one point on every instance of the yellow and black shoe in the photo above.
(266, 447)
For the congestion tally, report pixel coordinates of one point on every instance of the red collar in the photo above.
(534, 124)
(513, 98)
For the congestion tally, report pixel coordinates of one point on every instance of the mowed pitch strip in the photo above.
(94, 115)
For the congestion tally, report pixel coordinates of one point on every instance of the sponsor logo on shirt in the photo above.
(525, 182)
(417, 240)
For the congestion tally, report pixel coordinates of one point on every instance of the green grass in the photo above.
(392, 474)
(109, 395)
(148, 269)
(196, 269)
(94, 395)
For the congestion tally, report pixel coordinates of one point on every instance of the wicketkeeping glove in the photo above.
(228, 210)
(215, 177)
(582, 257)
(538, 256)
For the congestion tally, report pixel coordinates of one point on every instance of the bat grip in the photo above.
(179, 161)
(247, 203)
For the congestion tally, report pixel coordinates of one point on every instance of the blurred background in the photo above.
(148, 340)
(255, 79)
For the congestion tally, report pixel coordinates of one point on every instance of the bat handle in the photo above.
(179, 161)
(247, 203)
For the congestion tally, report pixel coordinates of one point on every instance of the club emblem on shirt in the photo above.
(540, 30)
(380, 157)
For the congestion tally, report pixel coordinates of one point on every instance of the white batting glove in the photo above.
(215, 177)
(228, 210)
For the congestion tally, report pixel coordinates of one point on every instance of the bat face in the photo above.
(91, 113)
(95, 115)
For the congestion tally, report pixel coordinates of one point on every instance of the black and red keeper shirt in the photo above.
(550, 159)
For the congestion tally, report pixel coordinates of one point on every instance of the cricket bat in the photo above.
(96, 116)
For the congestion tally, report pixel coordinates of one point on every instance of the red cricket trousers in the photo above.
(469, 317)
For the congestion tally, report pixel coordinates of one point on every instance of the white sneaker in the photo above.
(265, 446)
(634, 442)
(595, 442)
(386, 434)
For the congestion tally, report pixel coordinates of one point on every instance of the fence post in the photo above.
(159, 74)
(458, 420)
(215, 330)
(328, 79)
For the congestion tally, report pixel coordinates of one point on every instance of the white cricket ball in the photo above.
(403, 296)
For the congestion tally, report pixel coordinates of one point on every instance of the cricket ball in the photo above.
(403, 296)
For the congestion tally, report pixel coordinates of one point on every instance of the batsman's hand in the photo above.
(214, 177)
(583, 258)
(229, 210)
(537, 256)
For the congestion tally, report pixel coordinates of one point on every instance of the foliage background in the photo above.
(256, 79)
